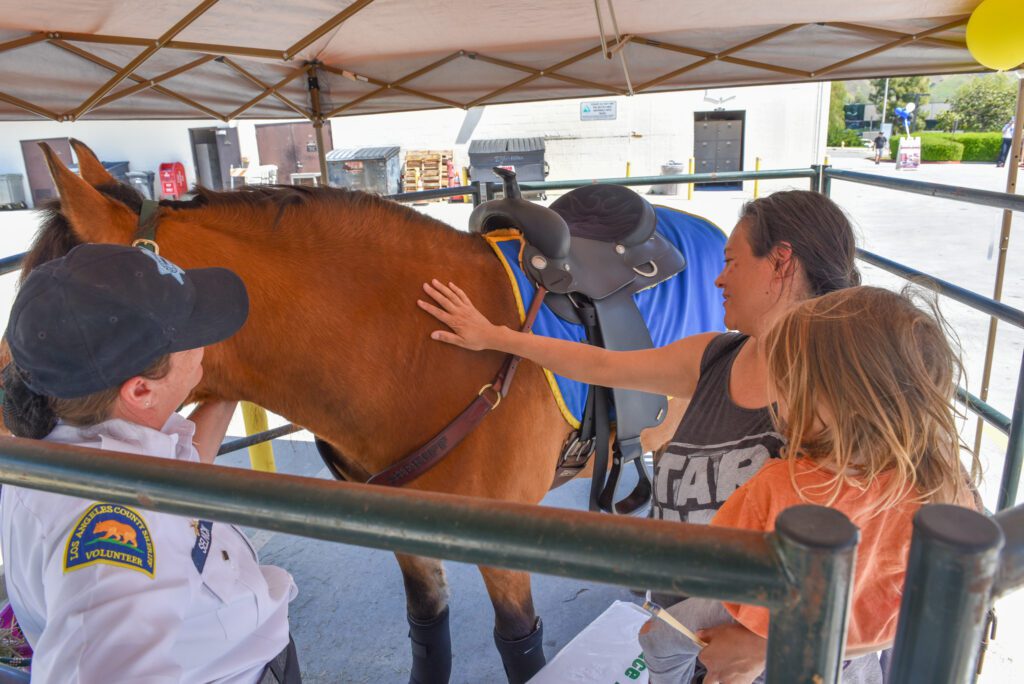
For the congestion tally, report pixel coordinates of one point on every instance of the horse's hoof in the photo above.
(524, 657)
(431, 650)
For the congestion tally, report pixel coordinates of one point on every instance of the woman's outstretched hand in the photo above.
(470, 329)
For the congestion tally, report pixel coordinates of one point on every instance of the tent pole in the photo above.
(318, 120)
(1012, 161)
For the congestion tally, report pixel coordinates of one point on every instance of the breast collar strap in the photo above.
(145, 233)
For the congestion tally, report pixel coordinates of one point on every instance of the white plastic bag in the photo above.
(607, 651)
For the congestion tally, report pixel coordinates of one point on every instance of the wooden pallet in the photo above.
(426, 170)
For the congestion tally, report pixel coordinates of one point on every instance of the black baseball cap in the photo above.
(104, 313)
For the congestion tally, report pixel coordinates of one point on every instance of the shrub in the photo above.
(978, 147)
(836, 138)
(933, 150)
(934, 147)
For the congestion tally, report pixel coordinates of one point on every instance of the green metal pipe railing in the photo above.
(12, 263)
(726, 177)
(988, 198)
(1011, 563)
(946, 288)
(258, 438)
(985, 410)
(802, 571)
(1010, 481)
(951, 572)
(439, 193)
(643, 553)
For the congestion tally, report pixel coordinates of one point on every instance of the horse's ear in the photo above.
(90, 166)
(93, 216)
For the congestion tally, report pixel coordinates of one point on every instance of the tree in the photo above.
(836, 116)
(914, 89)
(982, 104)
(837, 132)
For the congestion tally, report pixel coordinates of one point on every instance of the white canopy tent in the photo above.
(109, 59)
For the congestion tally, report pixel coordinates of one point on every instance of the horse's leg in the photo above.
(426, 596)
(518, 632)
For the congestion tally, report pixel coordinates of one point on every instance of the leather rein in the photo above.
(433, 452)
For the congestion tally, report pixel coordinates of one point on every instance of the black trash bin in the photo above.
(143, 182)
(525, 156)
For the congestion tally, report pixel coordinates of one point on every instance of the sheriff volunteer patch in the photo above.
(111, 534)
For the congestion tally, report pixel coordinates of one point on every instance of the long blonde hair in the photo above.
(879, 373)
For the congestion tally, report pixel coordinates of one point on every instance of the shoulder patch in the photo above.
(112, 534)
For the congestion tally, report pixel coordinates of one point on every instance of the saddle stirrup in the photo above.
(641, 494)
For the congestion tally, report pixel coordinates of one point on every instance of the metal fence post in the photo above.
(826, 180)
(1014, 449)
(816, 178)
(818, 546)
(954, 557)
(480, 194)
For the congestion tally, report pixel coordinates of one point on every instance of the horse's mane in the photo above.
(56, 237)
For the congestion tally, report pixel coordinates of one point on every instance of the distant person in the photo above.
(879, 146)
(1004, 151)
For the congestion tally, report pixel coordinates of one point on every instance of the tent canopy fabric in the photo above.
(228, 59)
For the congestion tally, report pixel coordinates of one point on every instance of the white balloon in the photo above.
(910, 107)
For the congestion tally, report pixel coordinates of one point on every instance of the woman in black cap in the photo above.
(107, 343)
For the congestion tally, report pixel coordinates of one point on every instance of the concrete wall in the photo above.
(785, 126)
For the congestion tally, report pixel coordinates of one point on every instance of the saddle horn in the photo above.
(544, 228)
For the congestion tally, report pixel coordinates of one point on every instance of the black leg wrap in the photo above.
(431, 650)
(524, 657)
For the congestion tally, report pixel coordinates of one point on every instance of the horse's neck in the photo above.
(335, 340)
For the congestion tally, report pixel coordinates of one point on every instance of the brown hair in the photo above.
(95, 408)
(816, 229)
(880, 374)
(29, 414)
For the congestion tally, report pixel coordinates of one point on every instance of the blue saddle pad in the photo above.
(686, 304)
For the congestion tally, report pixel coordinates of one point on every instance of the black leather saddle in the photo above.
(592, 250)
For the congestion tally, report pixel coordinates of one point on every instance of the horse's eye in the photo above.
(113, 319)
(138, 274)
(42, 334)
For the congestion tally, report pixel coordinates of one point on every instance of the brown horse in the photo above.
(335, 343)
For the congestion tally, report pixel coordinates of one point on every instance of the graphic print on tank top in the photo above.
(718, 445)
(694, 480)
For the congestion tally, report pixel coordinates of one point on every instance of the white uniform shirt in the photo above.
(78, 576)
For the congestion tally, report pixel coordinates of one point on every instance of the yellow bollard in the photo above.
(757, 167)
(627, 169)
(689, 186)
(261, 456)
(827, 160)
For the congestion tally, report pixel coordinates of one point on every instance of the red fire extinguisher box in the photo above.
(172, 179)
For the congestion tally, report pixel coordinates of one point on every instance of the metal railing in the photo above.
(802, 571)
(1013, 426)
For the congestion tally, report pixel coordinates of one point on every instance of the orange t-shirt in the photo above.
(881, 554)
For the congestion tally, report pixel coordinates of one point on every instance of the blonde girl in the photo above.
(862, 382)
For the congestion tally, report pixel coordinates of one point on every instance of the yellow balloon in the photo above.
(995, 34)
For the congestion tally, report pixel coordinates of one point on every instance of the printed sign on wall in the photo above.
(600, 110)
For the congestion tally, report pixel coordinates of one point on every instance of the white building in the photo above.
(783, 125)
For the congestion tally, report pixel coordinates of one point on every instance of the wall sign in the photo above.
(600, 110)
